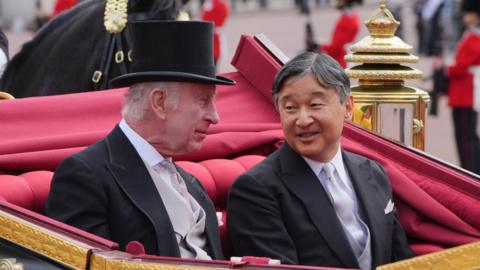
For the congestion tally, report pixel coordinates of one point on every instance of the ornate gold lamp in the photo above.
(382, 102)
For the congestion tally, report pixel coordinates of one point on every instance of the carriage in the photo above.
(437, 203)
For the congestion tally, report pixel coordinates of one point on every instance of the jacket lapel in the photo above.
(130, 173)
(371, 201)
(304, 184)
(211, 225)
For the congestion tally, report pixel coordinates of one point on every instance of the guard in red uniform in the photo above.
(345, 31)
(463, 97)
(216, 11)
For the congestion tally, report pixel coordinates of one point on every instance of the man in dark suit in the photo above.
(3, 51)
(125, 187)
(310, 202)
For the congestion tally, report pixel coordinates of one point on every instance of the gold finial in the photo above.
(382, 23)
(383, 4)
(382, 53)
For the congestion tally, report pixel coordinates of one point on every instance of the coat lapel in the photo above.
(211, 224)
(304, 184)
(130, 173)
(371, 201)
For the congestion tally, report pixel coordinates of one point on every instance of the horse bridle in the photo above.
(115, 20)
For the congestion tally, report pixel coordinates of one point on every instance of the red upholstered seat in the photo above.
(443, 204)
(30, 190)
(217, 175)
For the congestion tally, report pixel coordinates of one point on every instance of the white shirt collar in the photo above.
(337, 161)
(146, 151)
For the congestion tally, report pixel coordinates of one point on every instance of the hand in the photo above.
(437, 63)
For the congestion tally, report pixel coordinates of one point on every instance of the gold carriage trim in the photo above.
(10, 264)
(381, 45)
(380, 58)
(465, 257)
(109, 262)
(393, 75)
(5, 95)
(382, 23)
(115, 18)
(43, 241)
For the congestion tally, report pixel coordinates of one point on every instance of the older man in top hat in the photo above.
(125, 187)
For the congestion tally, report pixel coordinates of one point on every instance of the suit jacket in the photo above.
(280, 210)
(106, 190)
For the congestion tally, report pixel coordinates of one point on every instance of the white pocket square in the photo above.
(389, 207)
(219, 218)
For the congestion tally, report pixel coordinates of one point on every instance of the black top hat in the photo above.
(178, 51)
(471, 6)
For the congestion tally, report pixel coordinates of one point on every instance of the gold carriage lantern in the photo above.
(382, 102)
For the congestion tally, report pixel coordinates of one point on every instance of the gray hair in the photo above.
(136, 99)
(327, 72)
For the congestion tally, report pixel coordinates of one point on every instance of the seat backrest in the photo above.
(30, 190)
(217, 176)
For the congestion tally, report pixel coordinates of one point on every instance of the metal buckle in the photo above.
(129, 56)
(119, 57)
(97, 76)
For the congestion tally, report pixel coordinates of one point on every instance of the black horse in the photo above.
(66, 53)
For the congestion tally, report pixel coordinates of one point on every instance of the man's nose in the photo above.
(304, 118)
(212, 114)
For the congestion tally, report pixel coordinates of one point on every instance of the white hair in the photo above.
(136, 99)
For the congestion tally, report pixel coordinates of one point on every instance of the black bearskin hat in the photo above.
(471, 6)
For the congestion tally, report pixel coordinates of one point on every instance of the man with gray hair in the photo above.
(125, 187)
(310, 202)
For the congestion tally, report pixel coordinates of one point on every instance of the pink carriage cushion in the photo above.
(39, 182)
(16, 190)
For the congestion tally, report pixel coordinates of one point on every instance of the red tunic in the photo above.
(460, 90)
(61, 5)
(215, 11)
(345, 31)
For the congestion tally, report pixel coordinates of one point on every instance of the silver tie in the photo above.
(175, 180)
(344, 206)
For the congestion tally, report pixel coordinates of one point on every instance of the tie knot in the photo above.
(167, 165)
(329, 168)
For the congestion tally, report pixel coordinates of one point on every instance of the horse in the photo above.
(75, 53)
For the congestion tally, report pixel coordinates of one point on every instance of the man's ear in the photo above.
(349, 108)
(157, 102)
